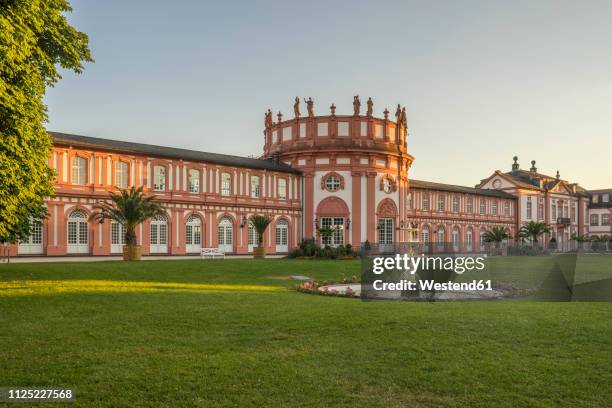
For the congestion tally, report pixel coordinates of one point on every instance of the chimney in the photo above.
(515, 165)
(533, 168)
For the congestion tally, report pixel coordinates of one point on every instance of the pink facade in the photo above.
(347, 172)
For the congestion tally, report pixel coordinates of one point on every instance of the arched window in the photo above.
(425, 234)
(193, 234)
(441, 233)
(481, 239)
(253, 238)
(455, 238)
(226, 235)
(34, 243)
(117, 237)
(79, 170)
(194, 181)
(469, 238)
(121, 174)
(159, 235)
(282, 236)
(78, 233)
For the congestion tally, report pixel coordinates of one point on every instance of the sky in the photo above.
(482, 81)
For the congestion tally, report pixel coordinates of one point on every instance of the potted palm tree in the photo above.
(260, 223)
(496, 235)
(129, 208)
(535, 229)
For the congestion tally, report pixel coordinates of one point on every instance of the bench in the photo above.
(211, 252)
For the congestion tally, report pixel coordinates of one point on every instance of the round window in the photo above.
(497, 184)
(332, 183)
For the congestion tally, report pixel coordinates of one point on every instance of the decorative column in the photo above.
(356, 208)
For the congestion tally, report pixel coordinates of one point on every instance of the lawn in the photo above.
(235, 333)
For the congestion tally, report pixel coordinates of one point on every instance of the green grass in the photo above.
(234, 333)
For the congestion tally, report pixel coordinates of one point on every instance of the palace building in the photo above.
(349, 172)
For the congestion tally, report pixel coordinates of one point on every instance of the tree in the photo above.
(496, 235)
(129, 208)
(260, 223)
(535, 229)
(34, 39)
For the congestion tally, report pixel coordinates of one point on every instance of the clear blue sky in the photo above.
(481, 80)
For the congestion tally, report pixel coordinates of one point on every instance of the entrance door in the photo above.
(282, 234)
(193, 234)
(33, 245)
(78, 233)
(159, 235)
(117, 237)
(226, 236)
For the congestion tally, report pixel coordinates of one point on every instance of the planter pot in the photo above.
(131, 252)
(259, 252)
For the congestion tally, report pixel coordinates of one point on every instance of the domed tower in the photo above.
(355, 171)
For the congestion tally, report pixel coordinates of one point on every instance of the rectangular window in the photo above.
(159, 178)
(529, 210)
(494, 207)
(282, 189)
(470, 205)
(194, 181)
(426, 201)
(483, 206)
(410, 201)
(507, 209)
(605, 198)
(441, 202)
(455, 204)
(594, 220)
(121, 174)
(605, 220)
(255, 190)
(79, 170)
(226, 184)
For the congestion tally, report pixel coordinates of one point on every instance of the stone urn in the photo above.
(259, 252)
(132, 252)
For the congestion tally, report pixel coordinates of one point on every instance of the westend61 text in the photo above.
(429, 285)
(412, 264)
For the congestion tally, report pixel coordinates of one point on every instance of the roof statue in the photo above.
(279, 115)
(370, 107)
(398, 113)
(296, 107)
(310, 106)
(332, 108)
(403, 117)
(386, 113)
(356, 105)
(268, 120)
